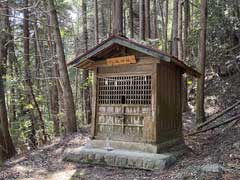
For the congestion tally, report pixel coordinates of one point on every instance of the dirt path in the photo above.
(46, 163)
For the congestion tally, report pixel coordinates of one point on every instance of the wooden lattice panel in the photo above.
(124, 90)
(122, 122)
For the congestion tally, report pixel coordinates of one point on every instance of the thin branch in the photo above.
(218, 115)
(15, 8)
(22, 18)
(30, 38)
(237, 118)
(46, 78)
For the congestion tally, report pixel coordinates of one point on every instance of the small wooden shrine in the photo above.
(136, 94)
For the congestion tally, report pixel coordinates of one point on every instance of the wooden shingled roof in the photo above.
(125, 42)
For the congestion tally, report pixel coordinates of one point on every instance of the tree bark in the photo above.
(185, 52)
(180, 42)
(86, 90)
(142, 20)
(103, 21)
(166, 27)
(175, 29)
(237, 9)
(7, 148)
(131, 18)
(12, 60)
(96, 21)
(163, 7)
(117, 22)
(28, 80)
(71, 124)
(54, 101)
(186, 29)
(53, 87)
(7, 140)
(84, 24)
(147, 19)
(155, 25)
(202, 59)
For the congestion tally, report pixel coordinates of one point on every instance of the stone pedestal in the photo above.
(121, 158)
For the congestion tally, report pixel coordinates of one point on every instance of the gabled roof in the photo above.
(125, 42)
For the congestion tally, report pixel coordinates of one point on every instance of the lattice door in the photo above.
(124, 103)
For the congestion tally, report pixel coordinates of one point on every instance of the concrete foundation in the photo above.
(121, 158)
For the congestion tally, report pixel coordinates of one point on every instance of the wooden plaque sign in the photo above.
(121, 60)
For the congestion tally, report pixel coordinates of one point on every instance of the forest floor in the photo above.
(212, 155)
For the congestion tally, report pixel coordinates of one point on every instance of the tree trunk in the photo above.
(50, 96)
(131, 18)
(202, 59)
(28, 80)
(96, 21)
(53, 90)
(7, 148)
(155, 25)
(162, 30)
(142, 20)
(7, 140)
(71, 124)
(186, 29)
(124, 23)
(84, 24)
(180, 42)
(175, 29)
(185, 52)
(104, 26)
(166, 27)
(237, 9)
(12, 60)
(147, 19)
(117, 22)
(86, 90)
(54, 101)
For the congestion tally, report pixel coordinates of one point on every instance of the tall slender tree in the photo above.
(155, 15)
(163, 7)
(131, 21)
(175, 29)
(166, 26)
(180, 35)
(202, 60)
(71, 124)
(185, 51)
(96, 22)
(28, 79)
(117, 22)
(12, 61)
(7, 148)
(147, 19)
(186, 29)
(86, 90)
(142, 20)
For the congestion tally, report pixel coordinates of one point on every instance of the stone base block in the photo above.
(120, 158)
(135, 146)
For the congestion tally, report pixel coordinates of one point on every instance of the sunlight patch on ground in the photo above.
(62, 175)
(22, 169)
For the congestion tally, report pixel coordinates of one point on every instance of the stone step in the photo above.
(120, 158)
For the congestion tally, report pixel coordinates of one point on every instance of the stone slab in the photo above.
(120, 158)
